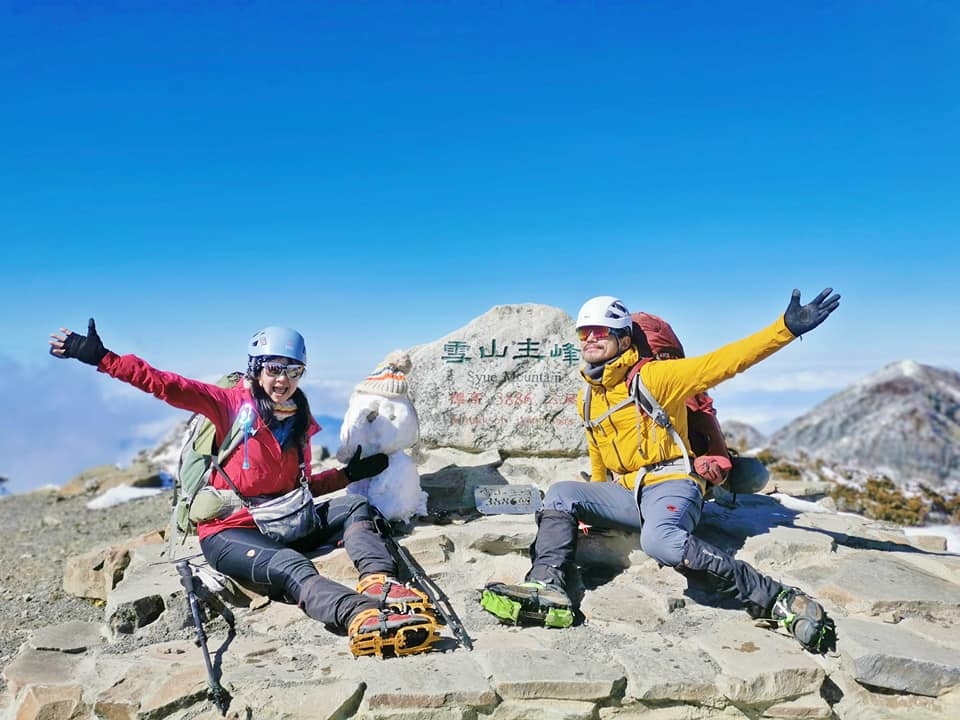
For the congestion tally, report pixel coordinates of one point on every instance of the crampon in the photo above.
(529, 603)
(393, 594)
(387, 634)
(805, 619)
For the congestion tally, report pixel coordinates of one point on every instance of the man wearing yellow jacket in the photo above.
(640, 464)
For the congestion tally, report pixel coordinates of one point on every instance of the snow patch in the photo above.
(792, 503)
(910, 368)
(121, 494)
(950, 532)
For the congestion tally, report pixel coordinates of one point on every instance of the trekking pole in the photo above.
(426, 583)
(188, 580)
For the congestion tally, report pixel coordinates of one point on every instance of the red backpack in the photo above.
(654, 337)
(656, 340)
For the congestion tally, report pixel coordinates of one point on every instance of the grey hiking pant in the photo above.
(246, 554)
(669, 512)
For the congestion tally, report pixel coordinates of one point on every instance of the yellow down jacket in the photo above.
(627, 441)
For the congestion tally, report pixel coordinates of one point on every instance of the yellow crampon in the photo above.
(386, 634)
(394, 594)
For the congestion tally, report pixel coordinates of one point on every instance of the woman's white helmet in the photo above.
(604, 311)
(279, 341)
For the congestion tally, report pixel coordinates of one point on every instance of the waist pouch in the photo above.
(288, 517)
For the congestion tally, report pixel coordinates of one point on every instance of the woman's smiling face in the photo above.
(279, 377)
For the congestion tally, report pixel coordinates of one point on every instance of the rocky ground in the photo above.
(40, 530)
(895, 600)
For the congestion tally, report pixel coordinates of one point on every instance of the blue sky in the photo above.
(377, 174)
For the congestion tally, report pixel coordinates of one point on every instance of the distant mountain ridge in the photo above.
(902, 421)
(741, 436)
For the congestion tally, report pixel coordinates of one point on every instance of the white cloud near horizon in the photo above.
(761, 379)
(778, 390)
(328, 397)
(62, 422)
(765, 414)
(772, 402)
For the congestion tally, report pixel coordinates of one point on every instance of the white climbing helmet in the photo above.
(605, 311)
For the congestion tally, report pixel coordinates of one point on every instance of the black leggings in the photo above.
(246, 554)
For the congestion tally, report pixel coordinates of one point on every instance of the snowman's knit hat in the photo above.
(389, 378)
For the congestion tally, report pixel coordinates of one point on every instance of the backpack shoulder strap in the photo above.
(648, 403)
(635, 370)
(232, 440)
(238, 433)
(586, 406)
(590, 424)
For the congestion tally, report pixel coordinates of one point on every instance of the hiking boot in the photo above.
(529, 603)
(805, 619)
(388, 634)
(391, 593)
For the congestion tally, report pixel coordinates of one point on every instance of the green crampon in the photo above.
(525, 604)
(805, 619)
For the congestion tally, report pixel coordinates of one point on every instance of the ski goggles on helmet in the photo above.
(275, 369)
(599, 332)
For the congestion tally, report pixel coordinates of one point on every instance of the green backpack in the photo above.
(199, 457)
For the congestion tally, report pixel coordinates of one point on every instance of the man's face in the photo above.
(597, 344)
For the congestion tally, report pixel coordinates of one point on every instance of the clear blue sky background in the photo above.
(377, 174)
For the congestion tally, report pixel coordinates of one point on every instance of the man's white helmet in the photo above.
(605, 311)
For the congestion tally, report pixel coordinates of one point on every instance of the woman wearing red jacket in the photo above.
(274, 454)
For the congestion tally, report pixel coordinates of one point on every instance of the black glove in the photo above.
(800, 320)
(87, 348)
(359, 468)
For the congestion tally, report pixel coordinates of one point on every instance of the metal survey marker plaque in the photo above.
(507, 499)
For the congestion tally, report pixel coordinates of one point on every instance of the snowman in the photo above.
(381, 418)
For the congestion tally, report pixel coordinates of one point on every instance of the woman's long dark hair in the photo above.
(301, 421)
